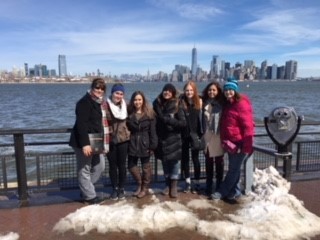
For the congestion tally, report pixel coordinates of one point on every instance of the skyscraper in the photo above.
(291, 69)
(194, 63)
(62, 63)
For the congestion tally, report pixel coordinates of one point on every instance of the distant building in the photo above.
(291, 70)
(194, 63)
(263, 70)
(26, 69)
(215, 67)
(62, 63)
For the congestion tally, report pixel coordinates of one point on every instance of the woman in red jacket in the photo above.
(236, 133)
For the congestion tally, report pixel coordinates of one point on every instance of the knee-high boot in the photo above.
(173, 188)
(146, 179)
(219, 173)
(135, 172)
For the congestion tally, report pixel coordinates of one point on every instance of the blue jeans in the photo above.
(171, 169)
(230, 185)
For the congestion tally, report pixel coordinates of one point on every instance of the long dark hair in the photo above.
(205, 95)
(146, 108)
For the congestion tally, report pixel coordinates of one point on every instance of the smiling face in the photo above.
(166, 94)
(138, 102)
(117, 97)
(98, 91)
(212, 91)
(229, 94)
(189, 91)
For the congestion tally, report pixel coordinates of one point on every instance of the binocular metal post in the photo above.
(283, 125)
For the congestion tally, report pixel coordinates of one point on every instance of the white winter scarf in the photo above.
(118, 111)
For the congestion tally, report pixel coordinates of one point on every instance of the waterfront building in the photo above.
(263, 70)
(291, 69)
(274, 71)
(62, 63)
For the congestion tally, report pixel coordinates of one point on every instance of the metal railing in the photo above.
(26, 170)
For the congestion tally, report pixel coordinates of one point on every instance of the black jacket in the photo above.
(143, 136)
(88, 120)
(170, 121)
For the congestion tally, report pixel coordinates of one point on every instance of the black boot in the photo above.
(219, 172)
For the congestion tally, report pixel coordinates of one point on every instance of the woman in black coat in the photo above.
(143, 141)
(170, 121)
(92, 116)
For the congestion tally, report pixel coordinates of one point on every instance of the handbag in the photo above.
(196, 142)
(96, 142)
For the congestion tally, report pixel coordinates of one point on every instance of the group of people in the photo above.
(221, 117)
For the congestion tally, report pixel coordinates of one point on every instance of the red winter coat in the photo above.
(237, 124)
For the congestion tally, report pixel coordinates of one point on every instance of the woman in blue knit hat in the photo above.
(236, 133)
(120, 136)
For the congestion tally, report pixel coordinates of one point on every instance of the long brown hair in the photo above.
(146, 107)
(196, 99)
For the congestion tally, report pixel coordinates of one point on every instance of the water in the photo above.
(52, 106)
(43, 106)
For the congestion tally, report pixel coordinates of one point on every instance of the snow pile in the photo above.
(9, 236)
(269, 212)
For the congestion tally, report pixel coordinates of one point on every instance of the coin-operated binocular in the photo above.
(283, 125)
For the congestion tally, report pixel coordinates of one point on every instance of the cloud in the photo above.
(188, 9)
(285, 27)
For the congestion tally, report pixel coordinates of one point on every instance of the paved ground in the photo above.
(45, 210)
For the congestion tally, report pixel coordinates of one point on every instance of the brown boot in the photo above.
(146, 179)
(173, 188)
(135, 172)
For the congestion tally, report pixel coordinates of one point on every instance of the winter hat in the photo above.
(117, 87)
(231, 84)
(171, 88)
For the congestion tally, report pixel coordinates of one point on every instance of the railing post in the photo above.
(248, 174)
(21, 167)
(287, 164)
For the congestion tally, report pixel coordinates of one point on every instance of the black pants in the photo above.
(117, 164)
(185, 162)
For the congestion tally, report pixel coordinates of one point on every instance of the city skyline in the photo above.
(119, 37)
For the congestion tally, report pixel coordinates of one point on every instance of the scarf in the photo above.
(119, 112)
(212, 116)
(105, 123)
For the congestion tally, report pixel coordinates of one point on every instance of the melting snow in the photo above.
(269, 212)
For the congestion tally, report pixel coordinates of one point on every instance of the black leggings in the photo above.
(185, 166)
(117, 164)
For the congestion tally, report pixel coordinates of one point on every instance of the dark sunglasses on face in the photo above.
(101, 88)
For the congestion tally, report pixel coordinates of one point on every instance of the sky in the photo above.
(125, 36)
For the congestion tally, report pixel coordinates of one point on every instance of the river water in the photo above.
(43, 106)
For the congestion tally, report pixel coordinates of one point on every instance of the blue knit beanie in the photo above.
(231, 84)
(117, 87)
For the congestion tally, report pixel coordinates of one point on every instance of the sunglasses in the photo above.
(101, 88)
